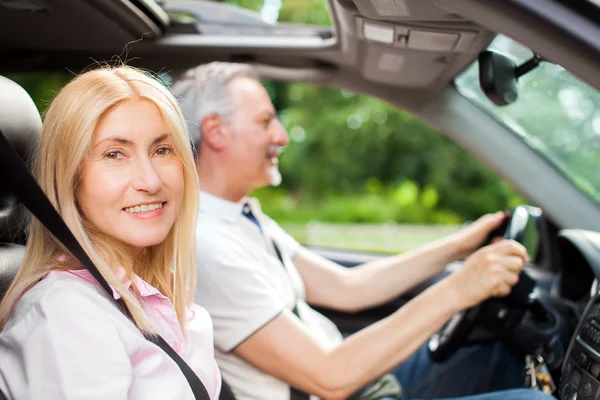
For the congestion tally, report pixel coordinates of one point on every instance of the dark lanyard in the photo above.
(26, 189)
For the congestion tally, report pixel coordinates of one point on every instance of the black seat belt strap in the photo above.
(278, 252)
(295, 394)
(26, 189)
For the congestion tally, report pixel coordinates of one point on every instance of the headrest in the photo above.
(20, 122)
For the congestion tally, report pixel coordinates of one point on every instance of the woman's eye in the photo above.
(114, 155)
(164, 151)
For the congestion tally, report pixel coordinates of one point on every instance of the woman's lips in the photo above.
(147, 214)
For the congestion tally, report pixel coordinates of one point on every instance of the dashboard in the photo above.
(580, 377)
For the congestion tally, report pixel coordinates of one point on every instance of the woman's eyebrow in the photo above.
(127, 142)
(117, 139)
(160, 138)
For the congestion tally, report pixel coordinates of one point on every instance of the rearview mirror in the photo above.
(497, 77)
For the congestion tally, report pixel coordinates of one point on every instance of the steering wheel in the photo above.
(519, 225)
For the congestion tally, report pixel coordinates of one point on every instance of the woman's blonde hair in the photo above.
(67, 137)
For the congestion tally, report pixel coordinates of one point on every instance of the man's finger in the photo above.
(510, 277)
(502, 290)
(512, 247)
(512, 263)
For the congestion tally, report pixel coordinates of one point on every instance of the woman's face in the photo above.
(132, 183)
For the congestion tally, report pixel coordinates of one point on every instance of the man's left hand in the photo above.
(472, 237)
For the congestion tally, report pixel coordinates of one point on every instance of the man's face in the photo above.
(256, 135)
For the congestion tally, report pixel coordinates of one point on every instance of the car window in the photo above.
(360, 174)
(309, 12)
(556, 114)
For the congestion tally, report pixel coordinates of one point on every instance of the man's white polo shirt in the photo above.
(244, 286)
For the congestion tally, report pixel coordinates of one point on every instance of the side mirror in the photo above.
(498, 75)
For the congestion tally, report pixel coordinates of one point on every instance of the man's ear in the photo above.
(212, 128)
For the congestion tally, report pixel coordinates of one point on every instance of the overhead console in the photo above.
(416, 55)
(413, 44)
(416, 38)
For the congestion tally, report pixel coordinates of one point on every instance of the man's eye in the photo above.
(164, 151)
(114, 155)
(266, 123)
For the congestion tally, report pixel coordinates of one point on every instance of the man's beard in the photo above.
(274, 176)
(273, 171)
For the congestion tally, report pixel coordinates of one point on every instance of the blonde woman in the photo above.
(114, 160)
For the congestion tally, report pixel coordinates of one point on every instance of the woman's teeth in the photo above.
(144, 208)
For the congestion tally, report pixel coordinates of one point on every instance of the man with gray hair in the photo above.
(256, 281)
(205, 92)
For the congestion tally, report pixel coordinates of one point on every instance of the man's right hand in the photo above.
(491, 271)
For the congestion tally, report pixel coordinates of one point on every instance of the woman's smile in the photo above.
(146, 210)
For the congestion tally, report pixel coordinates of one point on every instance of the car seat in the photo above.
(20, 122)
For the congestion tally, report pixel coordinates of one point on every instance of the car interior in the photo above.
(408, 53)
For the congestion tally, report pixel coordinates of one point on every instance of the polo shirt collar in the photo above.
(225, 209)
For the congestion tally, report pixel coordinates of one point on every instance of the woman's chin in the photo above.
(142, 242)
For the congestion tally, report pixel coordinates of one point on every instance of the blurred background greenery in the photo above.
(358, 174)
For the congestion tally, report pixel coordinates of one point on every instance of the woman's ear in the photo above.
(212, 128)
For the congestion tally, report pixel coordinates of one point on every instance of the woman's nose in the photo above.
(147, 178)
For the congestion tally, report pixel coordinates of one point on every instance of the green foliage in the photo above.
(375, 162)
(309, 12)
(41, 87)
(389, 205)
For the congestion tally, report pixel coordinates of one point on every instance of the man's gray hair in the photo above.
(205, 90)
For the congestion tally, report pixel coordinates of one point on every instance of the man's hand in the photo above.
(489, 272)
(472, 237)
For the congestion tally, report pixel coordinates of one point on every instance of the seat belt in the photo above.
(25, 188)
(295, 394)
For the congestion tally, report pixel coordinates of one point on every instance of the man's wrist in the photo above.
(451, 295)
(451, 247)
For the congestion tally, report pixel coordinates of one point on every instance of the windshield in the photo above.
(555, 113)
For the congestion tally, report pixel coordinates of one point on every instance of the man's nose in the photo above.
(281, 137)
(147, 178)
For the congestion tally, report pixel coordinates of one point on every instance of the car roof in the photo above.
(415, 46)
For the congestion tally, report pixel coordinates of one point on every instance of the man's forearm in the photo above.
(380, 281)
(384, 345)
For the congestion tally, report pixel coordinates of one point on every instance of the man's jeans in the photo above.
(473, 371)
